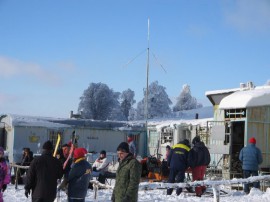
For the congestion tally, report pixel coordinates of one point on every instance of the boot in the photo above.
(189, 189)
(198, 191)
(169, 191)
(178, 191)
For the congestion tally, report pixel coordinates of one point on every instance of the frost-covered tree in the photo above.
(132, 114)
(158, 102)
(116, 113)
(98, 102)
(185, 101)
(127, 100)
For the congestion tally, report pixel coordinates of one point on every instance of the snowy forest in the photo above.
(99, 102)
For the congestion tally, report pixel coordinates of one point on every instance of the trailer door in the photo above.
(237, 143)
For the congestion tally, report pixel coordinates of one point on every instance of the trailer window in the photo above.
(53, 137)
(166, 136)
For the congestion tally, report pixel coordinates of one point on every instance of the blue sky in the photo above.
(50, 51)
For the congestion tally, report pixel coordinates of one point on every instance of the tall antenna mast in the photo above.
(147, 78)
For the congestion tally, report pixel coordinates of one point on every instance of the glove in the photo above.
(4, 187)
(94, 168)
(26, 193)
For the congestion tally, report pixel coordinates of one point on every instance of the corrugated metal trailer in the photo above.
(19, 132)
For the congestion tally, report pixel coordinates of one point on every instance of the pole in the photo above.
(147, 81)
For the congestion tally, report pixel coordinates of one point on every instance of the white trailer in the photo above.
(18, 132)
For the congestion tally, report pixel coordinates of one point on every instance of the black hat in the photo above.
(196, 139)
(65, 145)
(48, 145)
(103, 152)
(123, 146)
(186, 142)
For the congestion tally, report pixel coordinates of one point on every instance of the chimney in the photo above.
(71, 114)
(250, 85)
(242, 85)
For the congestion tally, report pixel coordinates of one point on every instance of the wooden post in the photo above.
(16, 177)
(95, 186)
(216, 192)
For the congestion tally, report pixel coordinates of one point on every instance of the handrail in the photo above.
(213, 183)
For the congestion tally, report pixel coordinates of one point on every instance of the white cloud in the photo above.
(248, 15)
(66, 66)
(10, 67)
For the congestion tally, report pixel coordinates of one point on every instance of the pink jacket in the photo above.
(4, 173)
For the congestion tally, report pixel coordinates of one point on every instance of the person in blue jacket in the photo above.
(178, 163)
(251, 158)
(79, 176)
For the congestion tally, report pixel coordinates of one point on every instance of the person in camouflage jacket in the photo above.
(128, 176)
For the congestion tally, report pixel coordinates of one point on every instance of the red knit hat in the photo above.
(252, 140)
(79, 153)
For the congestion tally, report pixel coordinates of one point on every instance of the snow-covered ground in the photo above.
(157, 195)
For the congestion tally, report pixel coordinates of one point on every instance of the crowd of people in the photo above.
(48, 174)
(46, 171)
(182, 157)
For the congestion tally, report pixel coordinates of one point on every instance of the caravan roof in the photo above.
(258, 96)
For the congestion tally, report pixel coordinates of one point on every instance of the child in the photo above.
(4, 173)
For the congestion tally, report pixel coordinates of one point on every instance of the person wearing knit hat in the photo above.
(79, 176)
(79, 153)
(251, 158)
(252, 140)
(128, 175)
(5, 174)
(42, 175)
(124, 147)
(47, 146)
(101, 164)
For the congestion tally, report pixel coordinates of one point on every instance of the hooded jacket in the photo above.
(4, 172)
(127, 180)
(251, 157)
(199, 155)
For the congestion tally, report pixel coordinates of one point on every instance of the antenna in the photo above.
(147, 78)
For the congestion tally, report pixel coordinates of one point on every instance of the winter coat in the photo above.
(79, 178)
(26, 159)
(132, 148)
(68, 166)
(101, 165)
(4, 172)
(178, 157)
(42, 176)
(251, 157)
(199, 155)
(127, 180)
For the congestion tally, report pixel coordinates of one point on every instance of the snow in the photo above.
(223, 91)
(158, 195)
(258, 96)
(156, 192)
